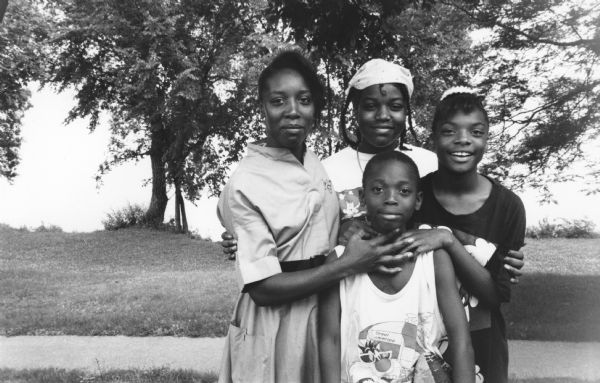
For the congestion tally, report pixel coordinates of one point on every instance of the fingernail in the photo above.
(409, 240)
(507, 267)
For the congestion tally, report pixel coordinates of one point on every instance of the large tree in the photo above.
(177, 78)
(341, 35)
(535, 61)
(542, 74)
(23, 30)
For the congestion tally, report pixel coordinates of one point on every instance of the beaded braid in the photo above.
(343, 130)
(354, 144)
(404, 92)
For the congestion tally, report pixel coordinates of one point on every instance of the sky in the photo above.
(56, 182)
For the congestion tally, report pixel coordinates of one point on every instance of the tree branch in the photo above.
(591, 44)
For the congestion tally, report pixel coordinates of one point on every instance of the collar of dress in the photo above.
(281, 154)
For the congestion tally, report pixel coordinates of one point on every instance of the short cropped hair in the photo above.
(388, 156)
(294, 60)
(455, 103)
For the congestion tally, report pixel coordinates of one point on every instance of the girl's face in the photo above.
(381, 117)
(391, 196)
(461, 141)
(289, 110)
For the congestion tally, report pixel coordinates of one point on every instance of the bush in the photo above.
(562, 228)
(195, 234)
(43, 228)
(5, 227)
(131, 215)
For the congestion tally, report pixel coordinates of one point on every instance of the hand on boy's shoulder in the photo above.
(426, 239)
(382, 253)
(352, 226)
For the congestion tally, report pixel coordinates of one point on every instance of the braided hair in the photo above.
(354, 98)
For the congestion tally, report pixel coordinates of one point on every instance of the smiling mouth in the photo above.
(293, 127)
(390, 216)
(461, 154)
(383, 128)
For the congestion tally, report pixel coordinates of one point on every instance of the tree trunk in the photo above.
(183, 216)
(177, 208)
(158, 202)
(180, 217)
(3, 5)
(329, 113)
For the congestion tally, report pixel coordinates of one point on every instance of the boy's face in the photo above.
(289, 109)
(461, 141)
(381, 117)
(391, 196)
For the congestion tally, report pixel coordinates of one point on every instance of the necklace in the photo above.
(359, 165)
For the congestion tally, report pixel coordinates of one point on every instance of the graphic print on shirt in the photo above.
(350, 203)
(389, 351)
(327, 185)
(482, 251)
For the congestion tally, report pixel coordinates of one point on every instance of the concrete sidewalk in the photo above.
(529, 359)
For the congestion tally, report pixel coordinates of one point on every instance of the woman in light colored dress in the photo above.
(281, 207)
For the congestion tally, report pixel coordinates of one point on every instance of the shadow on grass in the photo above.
(555, 307)
(552, 380)
(55, 375)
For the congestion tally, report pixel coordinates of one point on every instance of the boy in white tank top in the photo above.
(386, 327)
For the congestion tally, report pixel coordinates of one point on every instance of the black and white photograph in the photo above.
(300, 191)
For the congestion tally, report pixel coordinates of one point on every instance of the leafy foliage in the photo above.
(535, 61)
(432, 41)
(22, 34)
(130, 215)
(563, 228)
(48, 228)
(176, 77)
(540, 72)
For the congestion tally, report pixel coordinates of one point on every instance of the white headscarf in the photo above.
(379, 71)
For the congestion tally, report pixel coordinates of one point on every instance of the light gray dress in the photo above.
(279, 210)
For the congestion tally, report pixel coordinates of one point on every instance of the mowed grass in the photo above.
(140, 282)
(51, 375)
(127, 282)
(558, 298)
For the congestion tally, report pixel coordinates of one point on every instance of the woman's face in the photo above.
(381, 117)
(289, 110)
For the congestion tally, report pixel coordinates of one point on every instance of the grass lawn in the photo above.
(142, 282)
(52, 375)
(159, 376)
(558, 298)
(128, 282)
